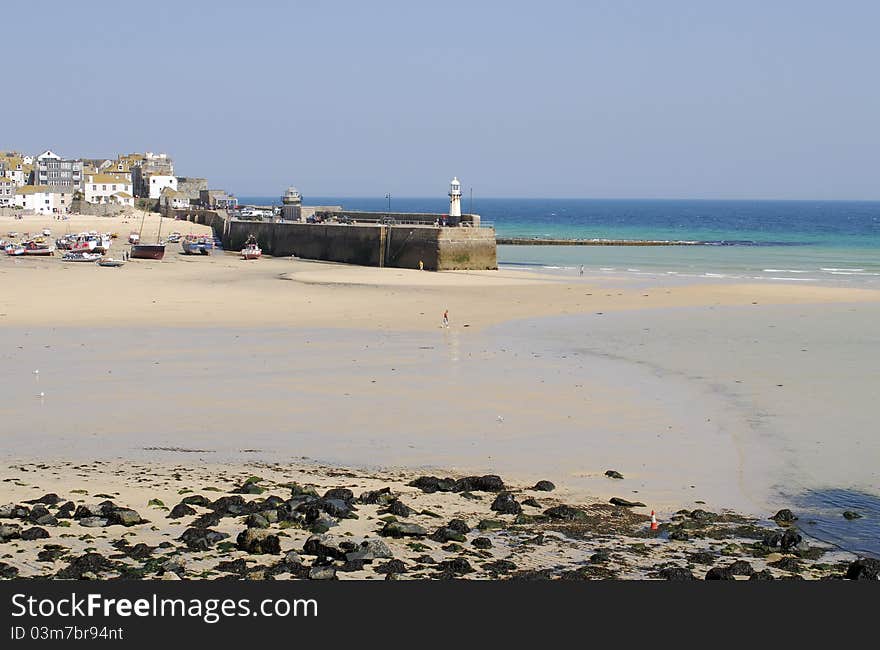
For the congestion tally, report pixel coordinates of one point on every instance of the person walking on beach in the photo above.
(581, 270)
(446, 318)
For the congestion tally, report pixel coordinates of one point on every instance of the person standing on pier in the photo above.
(446, 318)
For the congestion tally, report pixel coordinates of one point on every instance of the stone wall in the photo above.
(99, 210)
(400, 246)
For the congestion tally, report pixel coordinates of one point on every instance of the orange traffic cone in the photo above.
(654, 525)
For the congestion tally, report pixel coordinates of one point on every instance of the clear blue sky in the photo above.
(554, 98)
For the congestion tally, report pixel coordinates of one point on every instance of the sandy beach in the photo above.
(703, 394)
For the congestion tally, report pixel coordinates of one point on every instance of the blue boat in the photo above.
(197, 245)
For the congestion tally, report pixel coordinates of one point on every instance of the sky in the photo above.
(772, 99)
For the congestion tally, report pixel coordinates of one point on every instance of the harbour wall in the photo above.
(365, 244)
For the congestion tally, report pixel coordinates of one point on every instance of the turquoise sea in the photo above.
(834, 242)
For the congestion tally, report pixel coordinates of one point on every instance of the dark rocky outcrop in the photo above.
(36, 532)
(565, 513)
(720, 573)
(784, 516)
(617, 501)
(506, 504)
(258, 541)
(676, 574)
(544, 486)
(400, 529)
(613, 473)
(863, 569)
(181, 510)
(201, 539)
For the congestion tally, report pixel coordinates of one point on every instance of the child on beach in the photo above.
(446, 318)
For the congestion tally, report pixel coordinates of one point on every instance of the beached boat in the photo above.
(37, 249)
(80, 256)
(197, 245)
(134, 238)
(14, 250)
(251, 250)
(47, 232)
(110, 262)
(173, 238)
(147, 251)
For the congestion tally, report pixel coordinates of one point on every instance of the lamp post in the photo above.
(388, 198)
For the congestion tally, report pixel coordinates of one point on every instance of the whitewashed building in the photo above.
(7, 192)
(174, 199)
(158, 182)
(43, 199)
(51, 169)
(108, 189)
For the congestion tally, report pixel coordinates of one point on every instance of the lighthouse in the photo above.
(455, 201)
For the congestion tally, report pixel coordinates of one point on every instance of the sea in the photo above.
(827, 242)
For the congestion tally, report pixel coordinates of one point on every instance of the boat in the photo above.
(14, 250)
(251, 250)
(174, 237)
(133, 238)
(110, 262)
(47, 232)
(80, 256)
(37, 249)
(197, 245)
(148, 251)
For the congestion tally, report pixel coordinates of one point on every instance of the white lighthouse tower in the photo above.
(455, 200)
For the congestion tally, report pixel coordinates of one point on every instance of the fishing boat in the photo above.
(174, 237)
(110, 262)
(47, 232)
(37, 249)
(80, 256)
(14, 250)
(197, 245)
(134, 238)
(251, 250)
(148, 251)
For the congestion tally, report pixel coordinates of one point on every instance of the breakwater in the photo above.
(365, 244)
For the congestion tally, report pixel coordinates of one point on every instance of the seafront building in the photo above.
(51, 169)
(7, 192)
(172, 199)
(153, 173)
(16, 167)
(106, 189)
(43, 199)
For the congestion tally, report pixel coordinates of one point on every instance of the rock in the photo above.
(256, 521)
(238, 566)
(531, 502)
(9, 531)
(500, 566)
(140, 551)
(784, 516)
(720, 573)
(482, 543)
(324, 546)
(322, 573)
(763, 574)
(679, 535)
(702, 516)
(458, 566)
(444, 534)
(399, 508)
(787, 564)
(51, 552)
(487, 483)
(431, 484)
(600, 556)
(175, 566)
(459, 525)
(566, 513)
(394, 566)
(206, 520)
(343, 494)
(39, 511)
(850, 515)
(124, 517)
(45, 520)
(676, 573)
(506, 504)
(201, 539)
(7, 571)
(93, 522)
(617, 501)
(292, 558)
(702, 557)
(544, 486)
(65, 511)
(381, 497)
(490, 524)
(613, 473)
(350, 566)
(863, 569)
(169, 575)
(181, 510)
(790, 539)
(34, 533)
(196, 500)
(369, 550)
(258, 541)
(50, 499)
(229, 506)
(400, 529)
(741, 568)
(88, 510)
(250, 487)
(6, 510)
(93, 563)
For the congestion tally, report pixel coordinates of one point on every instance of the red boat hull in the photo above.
(147, 251)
